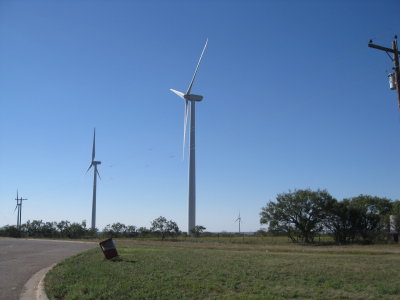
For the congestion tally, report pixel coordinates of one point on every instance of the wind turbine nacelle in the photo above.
(193, 97)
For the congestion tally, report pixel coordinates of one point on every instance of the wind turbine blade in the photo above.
(94, 145)
(238, 218)
(197, 67)
(184, 128)
(89, 168)
(98, 174)
(180, 94)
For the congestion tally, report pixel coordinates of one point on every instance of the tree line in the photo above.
(160, 227)
(304, 214)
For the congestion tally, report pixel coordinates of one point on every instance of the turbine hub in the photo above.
(193, 97)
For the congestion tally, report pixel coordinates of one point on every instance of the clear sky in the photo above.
(293, 98)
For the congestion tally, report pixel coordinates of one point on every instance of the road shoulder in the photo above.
(34, 287)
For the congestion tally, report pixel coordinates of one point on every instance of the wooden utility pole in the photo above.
(393, 220)
(395, 60)
(19, 205)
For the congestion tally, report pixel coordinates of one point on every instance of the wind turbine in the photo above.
(94, 164)
(240, 220)
(192, 98)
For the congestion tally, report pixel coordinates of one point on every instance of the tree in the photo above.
(10, 231)
(395, 211)
(49, 229)
(62, 227)
(115, 230)
(143, 231)
(299, 214)
(131, 231)
(172, 228)
(394, 221)
(261, 232)
(120, 230)
(76, 230)
(163, 227)
(33, 228)
(372, 210)
(197, 230)
(38, 228)
(342, 221)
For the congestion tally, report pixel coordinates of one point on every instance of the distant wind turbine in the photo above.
(240, 220)
(192, 149)
(96, 173)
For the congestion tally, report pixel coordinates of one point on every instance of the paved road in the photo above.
(22, 258)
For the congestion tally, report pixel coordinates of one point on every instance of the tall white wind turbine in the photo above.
(94, 164)
(240, 220)
(192, 98)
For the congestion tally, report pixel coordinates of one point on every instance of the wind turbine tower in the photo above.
(192, 98)
(19, 206)
(94, 164)
(240, 220)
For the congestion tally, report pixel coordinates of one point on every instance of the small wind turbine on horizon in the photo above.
(240, 220)
(192, 98)
(94, 164)
(19, 206)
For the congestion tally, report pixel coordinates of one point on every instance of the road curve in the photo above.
(22, 258)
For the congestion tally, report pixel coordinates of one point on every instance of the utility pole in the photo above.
(395, 60)
(19, 206)
(393, 225)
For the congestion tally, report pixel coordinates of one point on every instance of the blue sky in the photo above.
(293, 98)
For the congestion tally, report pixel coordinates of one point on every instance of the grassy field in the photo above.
(209, 269)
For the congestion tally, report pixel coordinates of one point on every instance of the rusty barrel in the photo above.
(108, 248)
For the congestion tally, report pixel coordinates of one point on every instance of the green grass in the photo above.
(190, 271)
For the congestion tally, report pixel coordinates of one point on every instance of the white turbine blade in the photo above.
(184, 128)
(98, 174)
(197, 67)
(94, 145)
(89, 168)
(180, 94)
